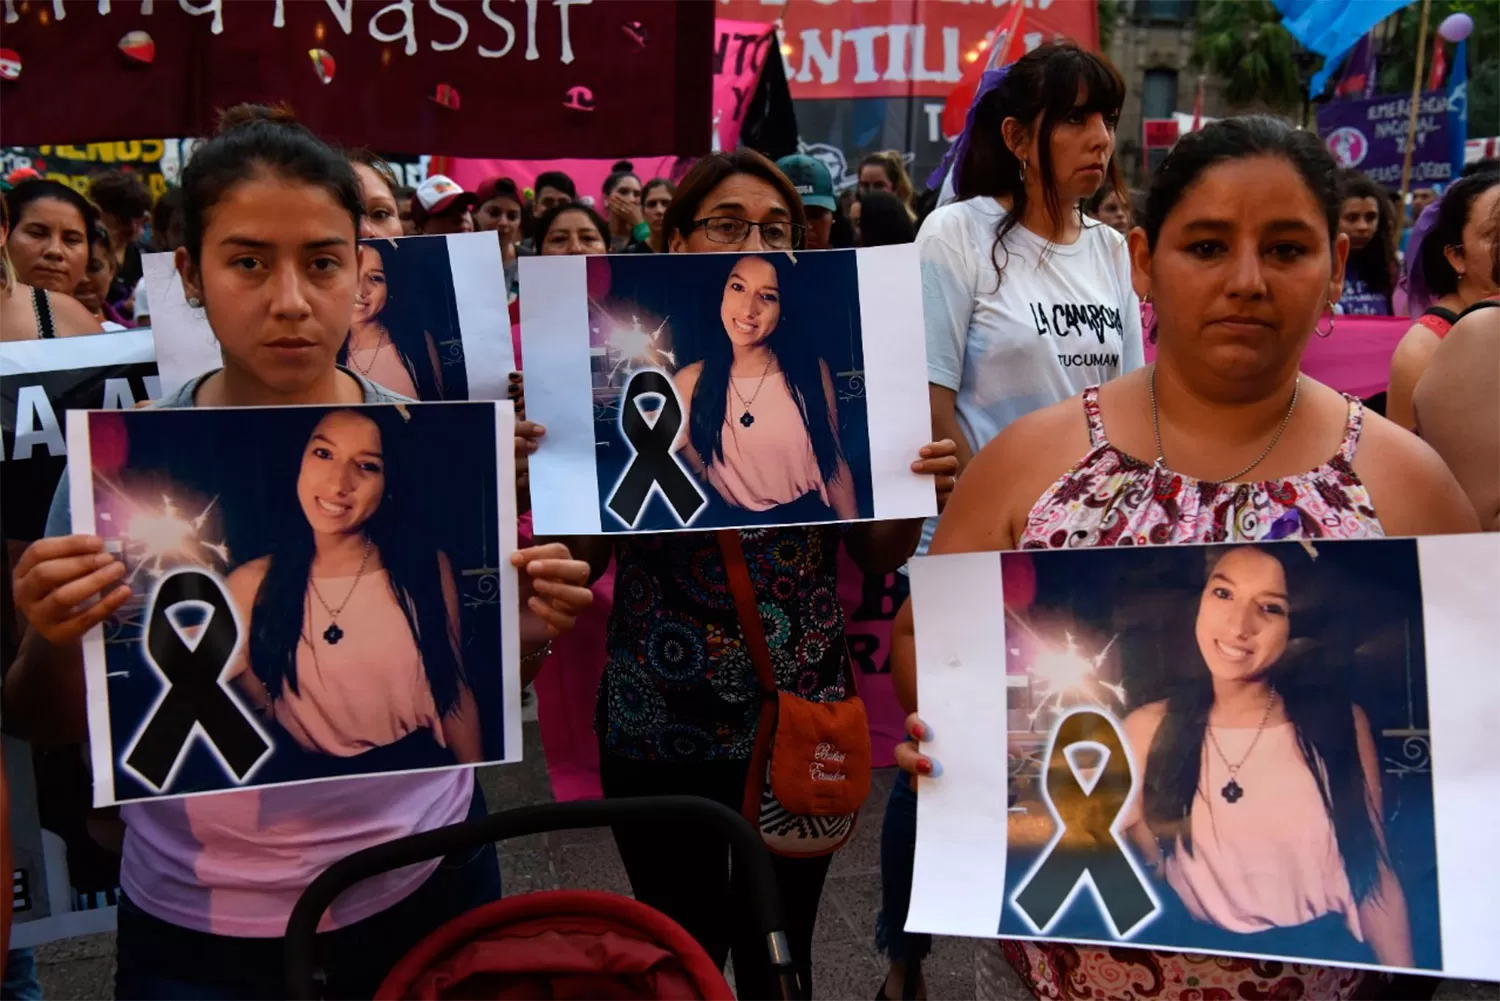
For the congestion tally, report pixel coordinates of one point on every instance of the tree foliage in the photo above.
(1398, 57)
(1243, 42)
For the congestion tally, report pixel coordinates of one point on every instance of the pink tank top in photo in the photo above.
(769, 462)
(1112, 499)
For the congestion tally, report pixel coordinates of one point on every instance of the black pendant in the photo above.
(333, 634)
(747, 418)
(1232, 791)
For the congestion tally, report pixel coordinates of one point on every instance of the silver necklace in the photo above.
(333, 633)
(747, 418)
(1161, 458)
(380, 344)
(1232, 790)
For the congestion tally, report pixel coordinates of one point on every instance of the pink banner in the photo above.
(740, 51)
(1355, 359)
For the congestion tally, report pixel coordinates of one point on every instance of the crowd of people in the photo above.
(1049, 430)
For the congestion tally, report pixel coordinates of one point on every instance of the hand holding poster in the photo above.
(330, 595)
(1242, 750)
(725, 390)
(431, 320)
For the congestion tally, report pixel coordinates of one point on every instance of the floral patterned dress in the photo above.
(1113, 499)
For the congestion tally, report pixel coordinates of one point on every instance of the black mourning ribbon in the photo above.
(193, 695)
(1086, 844)
(653, 461)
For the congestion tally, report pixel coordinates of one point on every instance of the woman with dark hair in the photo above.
(886, 171)
(1258, 765)
(1367, 218)
(764, 382)
(388, 342)
(655, 197)
(124, 204)
(679, 703)
(571, 230)
(377, 196)
(622, 195)
(1110, 206)
(353, 621)
(47, 252)
(93, 290)
(1221, 440)
(500, 211)
(271, 219)
(883, 220)
(1447, 272)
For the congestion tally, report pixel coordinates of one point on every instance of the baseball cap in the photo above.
(496, 187)
(811, 179)
(436, 195)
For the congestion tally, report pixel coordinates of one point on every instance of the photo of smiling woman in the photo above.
(1261, 808)
(391, 340)
(353, 622)
(760, 413)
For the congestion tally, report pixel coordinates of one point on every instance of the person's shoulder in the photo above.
(956, 219)
(245, 579)
(1413, 490)
(375, 392)
(1042, 428)
(1102, 235)
(70, 318)
(1143, 720)
(687, 375)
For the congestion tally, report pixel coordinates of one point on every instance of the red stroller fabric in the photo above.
(562, 944)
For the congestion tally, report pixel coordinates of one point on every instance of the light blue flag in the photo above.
(1331, 28)
(1458, 107)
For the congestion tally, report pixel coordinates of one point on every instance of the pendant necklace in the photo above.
(1161, 458)
(747, 418)
(365, 370)
(1232, 790)
(333, 633)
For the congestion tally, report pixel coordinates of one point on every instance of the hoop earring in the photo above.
(1023, 170)
(1329, 332)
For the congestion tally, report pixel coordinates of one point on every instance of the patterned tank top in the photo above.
(1113, 499)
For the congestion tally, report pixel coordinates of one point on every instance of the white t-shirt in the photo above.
(1063, 318)
(142, 303)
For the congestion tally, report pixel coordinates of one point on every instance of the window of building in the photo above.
(1159, 94)
(1171, 11)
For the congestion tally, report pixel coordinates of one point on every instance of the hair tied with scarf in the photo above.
(960, 148)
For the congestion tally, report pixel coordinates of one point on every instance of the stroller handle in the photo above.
(746, 849)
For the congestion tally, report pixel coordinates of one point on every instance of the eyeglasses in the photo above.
(732, 229)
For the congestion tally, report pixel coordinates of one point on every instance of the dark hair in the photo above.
(376, 162)
(404, 191)
(1044, 82)
(894, 166)
(253, 138)
(500, 187)
(653, 184)
(621, 170)
(1375, 262)
(413, 572)
(1236, 139)
(801, 368)
(1092, 202)
(883, 220)
(556, 180)
(38, 190)
(550, 216)
(1453, 212)
(1312, 693)
(168, 207)
(99, 236)
(711, 171)
(1482, 166)
(406, 315)
(122, 195)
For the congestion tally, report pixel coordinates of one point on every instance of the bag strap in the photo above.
(748, 609)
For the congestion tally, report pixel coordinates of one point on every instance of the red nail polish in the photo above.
(924, 767)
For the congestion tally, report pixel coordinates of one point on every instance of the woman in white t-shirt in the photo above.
(1027, 303)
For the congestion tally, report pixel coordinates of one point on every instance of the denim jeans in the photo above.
(898, 846)
(162, 961)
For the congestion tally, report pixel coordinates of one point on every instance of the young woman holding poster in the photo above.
(679, 704)
(1027, 302)
(36, 298)
(1240, 246)
(271, 220)
(789, 468)
(378, 678)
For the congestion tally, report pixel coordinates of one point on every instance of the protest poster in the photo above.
(316, 592)
(49, 901)
(155, 161)
(808, 357)
(1242, 750)
(430, 319)
(1370, 136)
(598, 77)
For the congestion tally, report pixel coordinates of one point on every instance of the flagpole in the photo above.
(1416, 100)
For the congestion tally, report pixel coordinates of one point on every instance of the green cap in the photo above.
(811, 179)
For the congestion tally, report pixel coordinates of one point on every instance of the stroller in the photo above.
(555, 943)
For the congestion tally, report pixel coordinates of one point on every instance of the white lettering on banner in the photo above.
(407, 31)
(459, 19)
(833, 771)
(906, 45)
(36, 424)
(510, 33)
(934, 122)
(214, 7)
(343, 15)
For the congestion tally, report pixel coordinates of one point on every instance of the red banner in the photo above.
(900, 48)
(570, 78)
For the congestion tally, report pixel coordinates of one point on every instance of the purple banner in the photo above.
(1371, 136)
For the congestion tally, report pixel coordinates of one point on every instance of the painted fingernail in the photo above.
(926, 734)
(515, 377)
(924, 767)
(935, 768)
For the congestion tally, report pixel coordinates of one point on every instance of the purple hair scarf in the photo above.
(1418, 295)
(954, 158)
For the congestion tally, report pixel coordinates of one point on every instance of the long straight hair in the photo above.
(1376, 260)
(278, 621)
(409, 297)
(1322, 715)
(801, 370)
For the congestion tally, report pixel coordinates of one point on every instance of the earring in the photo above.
(194, 302)
(1023, 171)
(1146, 300)
(1329, 332)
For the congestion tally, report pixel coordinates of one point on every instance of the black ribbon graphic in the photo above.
(193, 694)
(1086, 844)
(653, 461)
